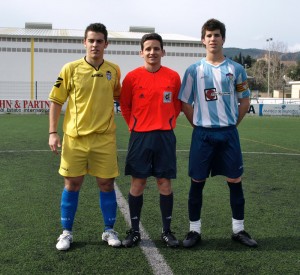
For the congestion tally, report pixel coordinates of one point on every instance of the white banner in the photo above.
(42, 106)
(24, 106)
(275, 109)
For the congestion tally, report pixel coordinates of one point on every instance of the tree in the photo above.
(238, 59)
(277, 69)
(271, 61)
(293, 71)
(248, 61)
(245, 61)
(259, 72)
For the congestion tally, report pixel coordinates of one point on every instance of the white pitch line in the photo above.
(258, 153)
(125, 150)
(155, 259)
(267, 153)
(23, 151)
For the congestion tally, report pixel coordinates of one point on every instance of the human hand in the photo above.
(54, 142)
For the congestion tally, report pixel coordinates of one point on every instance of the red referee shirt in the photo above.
(149, 101)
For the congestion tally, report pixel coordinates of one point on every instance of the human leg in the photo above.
(139, 161)
(108, 207)
(166, 208)
(135, 202)
(194, 207)
(69, 203)
(237, 203)
(165, 202)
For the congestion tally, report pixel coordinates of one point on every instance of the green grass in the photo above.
(30, 202)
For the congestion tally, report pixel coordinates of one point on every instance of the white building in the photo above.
(32, 57)
(295, 89)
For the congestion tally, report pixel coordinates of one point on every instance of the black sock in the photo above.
(195, 200)
(166, 208)
(135, 208)
(237, 201)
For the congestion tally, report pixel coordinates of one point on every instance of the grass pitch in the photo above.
(30, 202)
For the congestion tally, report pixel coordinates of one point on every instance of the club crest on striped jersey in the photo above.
(229, 76)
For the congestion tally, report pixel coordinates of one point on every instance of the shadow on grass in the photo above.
(264, 244)
(80, 245)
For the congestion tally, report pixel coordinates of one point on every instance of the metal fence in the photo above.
(38, 90)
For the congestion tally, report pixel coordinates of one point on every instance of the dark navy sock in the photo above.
(237, 201)
(108, 206)
(68, 207)
(166, 208)
(195, 200)
(135, 209)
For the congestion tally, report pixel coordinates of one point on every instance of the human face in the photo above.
(152, 54)
(213, 41)
(95, 45)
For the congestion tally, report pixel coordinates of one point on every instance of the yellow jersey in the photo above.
(90, 93)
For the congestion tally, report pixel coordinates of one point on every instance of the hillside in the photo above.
(257, 53)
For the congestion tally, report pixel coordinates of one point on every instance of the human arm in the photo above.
(126, 100)
(243, 94)
(186, 94)
(244, 104)
(54, 115)
(177, 102)
(117, 88)
(188, 111)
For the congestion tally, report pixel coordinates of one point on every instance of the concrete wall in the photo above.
(16, 65)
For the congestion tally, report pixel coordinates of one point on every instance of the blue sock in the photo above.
(108, 206)
(195, 200)
(68, 207)
(237, 201)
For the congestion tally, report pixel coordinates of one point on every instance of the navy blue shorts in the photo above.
(215, 151)
(151, 154)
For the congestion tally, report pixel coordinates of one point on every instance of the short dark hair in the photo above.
(212, 25)
(96, 27)
(152, 36)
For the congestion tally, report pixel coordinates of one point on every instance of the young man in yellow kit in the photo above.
(90, 84)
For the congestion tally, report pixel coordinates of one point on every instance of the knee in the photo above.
(105, 185)
(234, 180)
(137, 187)
(164, 186)
(73, 184)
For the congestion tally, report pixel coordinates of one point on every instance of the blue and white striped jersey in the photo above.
(214, 91)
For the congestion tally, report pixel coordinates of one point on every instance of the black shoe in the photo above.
(191, 239)
(168, 238)
(132, 238)
(244, 238)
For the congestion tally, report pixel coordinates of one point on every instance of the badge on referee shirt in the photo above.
(167, 97)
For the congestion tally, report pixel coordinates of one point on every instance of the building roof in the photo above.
(37, 30)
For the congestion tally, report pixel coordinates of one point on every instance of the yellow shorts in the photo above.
(94, 154)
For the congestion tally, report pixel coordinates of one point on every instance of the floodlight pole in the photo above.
(269, 60)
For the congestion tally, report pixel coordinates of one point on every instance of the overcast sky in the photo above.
(248, 23)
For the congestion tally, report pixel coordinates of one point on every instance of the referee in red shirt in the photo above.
(149, 104)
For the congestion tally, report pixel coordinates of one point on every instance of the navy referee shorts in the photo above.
(151, 154)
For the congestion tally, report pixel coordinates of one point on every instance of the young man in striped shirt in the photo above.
(215, 98)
